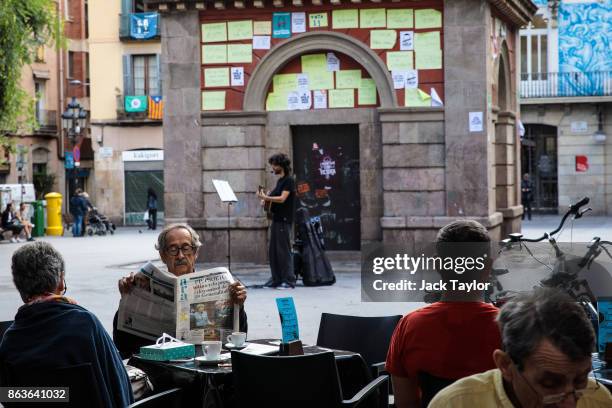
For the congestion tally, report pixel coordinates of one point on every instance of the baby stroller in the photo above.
(98, 223)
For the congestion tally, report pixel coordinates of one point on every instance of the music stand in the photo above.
(226, 194)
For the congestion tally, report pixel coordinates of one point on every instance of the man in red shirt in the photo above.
(453, 338)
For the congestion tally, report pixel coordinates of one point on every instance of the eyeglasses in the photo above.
(577, 393)
(186, 249)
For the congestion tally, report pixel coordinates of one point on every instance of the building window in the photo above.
(138, 6)
(40, 54)
(145, 74)
(39, 90)
(70, 64)
(534, 54)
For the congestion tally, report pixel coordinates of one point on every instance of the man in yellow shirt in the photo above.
(547, 341)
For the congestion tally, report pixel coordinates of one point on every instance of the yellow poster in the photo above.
(427, 18)
(262, 27)
(372, 18)
(216, 77)
(414, 97)
(214, 54)
(284, 83)
(214, 32)
(345, 19)
(240, 53)
(213, 100)
(341, 98)
(349, 78)
(428, 51)
(314, 63)
(400, 18)
(316, 20)
(276, 101)
(240, 30)
(382, 39)
(367, 92)
(321, 80)
(399, 60)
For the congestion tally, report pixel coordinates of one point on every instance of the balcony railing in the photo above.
(144, 26)
(47, 121)
(566, 84)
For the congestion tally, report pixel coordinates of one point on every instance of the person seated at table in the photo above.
(51, 331)
(545, 359)
(178, 246)
(10, 222)
(452, 338)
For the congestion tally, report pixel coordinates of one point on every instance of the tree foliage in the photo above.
(25, 25)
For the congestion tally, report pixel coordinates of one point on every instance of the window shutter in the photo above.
(126, 6)
(159, 78)
(128, 80)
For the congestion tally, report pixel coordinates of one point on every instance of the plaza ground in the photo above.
(95, 264)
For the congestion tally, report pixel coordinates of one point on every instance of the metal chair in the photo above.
(166, 399)
(295, 381)
(430, 385)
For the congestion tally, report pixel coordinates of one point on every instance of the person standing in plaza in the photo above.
(526, 195)
(152, 209)
(282, 208)
(78, 209)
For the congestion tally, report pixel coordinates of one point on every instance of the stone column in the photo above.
(182, 107)
(466, 38)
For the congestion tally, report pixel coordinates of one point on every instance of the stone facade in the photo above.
(420, 168)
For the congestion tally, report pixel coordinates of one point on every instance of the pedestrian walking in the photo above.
(152, 209)
(526, 195)
(78, 209)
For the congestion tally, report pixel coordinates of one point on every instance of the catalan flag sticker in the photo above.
(156, 107)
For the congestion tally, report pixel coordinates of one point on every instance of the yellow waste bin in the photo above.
(54, 214)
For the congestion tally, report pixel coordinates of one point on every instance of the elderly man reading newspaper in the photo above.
(190, 305)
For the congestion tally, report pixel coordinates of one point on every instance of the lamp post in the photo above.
(74, 120)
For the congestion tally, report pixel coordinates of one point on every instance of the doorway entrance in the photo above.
(539, 159)
(326, 165)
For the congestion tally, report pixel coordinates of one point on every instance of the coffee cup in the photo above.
(237, 338)
(211, 349)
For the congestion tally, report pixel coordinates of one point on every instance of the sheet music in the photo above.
(226, 194)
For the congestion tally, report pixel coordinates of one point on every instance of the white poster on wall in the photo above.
(261, 42)
(406, 40)
(320, 99)
(476, 122)
(298, 22)
(237, 76)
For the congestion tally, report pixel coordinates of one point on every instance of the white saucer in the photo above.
(221, 359)
(232, 346)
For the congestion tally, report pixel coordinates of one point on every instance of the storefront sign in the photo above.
(579, 127)
(143, 155)
(582, 164)
(143, 25)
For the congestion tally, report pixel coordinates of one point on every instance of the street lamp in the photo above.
(74, 120)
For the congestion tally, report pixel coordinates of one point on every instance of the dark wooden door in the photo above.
(326, 165)
(539, 159)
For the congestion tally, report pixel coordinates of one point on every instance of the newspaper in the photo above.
(192, 307)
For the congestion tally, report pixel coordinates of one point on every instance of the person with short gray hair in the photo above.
(178, 246)
(545, 360)
(51, 331)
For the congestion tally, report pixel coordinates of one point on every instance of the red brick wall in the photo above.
(74, 27)
(79, 73)
(234, 100)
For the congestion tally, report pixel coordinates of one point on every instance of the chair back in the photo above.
(165, 399)
(278, 382)
(80, 379)
(4, 327)
(430, 385)
(368, 336)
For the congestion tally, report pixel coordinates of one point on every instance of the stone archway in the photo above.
(257, 88)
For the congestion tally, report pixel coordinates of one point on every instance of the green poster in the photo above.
(276, 101)
(213, 100)
(414, 97)
(314, 63)
(240, 53)
(214, 54)
(345, 19)
(350, 78)
(383, 39)
(214, 32)
(216, 77)
(400, 18)
(372, 18)
(281, 25)
(427, 50)
(427, 18)
(321, 80)
(399, 60)
(262, 27)
(240, 30)
(284, 83)
(136, 103)
(341, 98)
(367, 92)
(316, 20)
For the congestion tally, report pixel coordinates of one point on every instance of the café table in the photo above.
(211, 386)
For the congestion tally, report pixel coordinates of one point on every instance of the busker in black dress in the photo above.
(282, 199)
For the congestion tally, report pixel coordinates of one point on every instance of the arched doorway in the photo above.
(539, 159)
